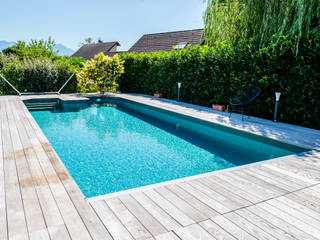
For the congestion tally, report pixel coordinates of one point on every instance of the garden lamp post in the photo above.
(179, 86)
(276, 106)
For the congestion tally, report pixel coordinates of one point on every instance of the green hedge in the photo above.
(39, 74)
(216, 74)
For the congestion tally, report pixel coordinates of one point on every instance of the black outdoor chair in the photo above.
(241, 102)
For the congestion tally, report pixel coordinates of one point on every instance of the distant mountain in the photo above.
(61, 49)
(5, 44)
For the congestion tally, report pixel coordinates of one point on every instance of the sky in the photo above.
(71, 21)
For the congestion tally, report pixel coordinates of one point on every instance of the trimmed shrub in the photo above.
(37, 74)
(11, 71)
(101, 73)
(216, 74)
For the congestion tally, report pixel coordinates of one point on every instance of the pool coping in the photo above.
(309, 138)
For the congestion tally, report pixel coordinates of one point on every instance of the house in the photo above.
(88, 51)
(168, 40)
(147, 43)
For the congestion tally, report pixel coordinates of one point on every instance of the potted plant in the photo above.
(216, 103)
(219, 107)
(157, 87)
(157, 94)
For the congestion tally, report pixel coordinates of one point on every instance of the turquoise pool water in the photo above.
(118, 145)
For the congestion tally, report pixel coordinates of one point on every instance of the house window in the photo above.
(180, 45)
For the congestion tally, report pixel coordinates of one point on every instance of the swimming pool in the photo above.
(116, 144)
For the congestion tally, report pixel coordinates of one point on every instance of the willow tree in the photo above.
(233, 20)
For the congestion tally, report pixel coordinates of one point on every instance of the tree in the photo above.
(35, 48)
(88, 40)
(102, 73)
(260, 20)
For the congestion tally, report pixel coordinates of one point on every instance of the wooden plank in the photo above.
(217, 206)
(306, 200)
(196, 203)
(253, 187)
(264, 183)
(48, 204)
(299, 207)
(228, 183)
(309, 197)
(285, 225)
(148, 221)
(32, 209)
(16, 222)
(313, 157)
(295, 211)
(289, 218)
(248, 226)
(58, 232)
(189, 210)
(315, 190)
(167, 236)
(137, 230)
(242, 202)
(264, 225)
(216, 231)
(232, 228)
(94, 225)
(274, 181)
(228, 204)
(174, 212)
(302, 163)
(71, 217)
(193, 232)
(289, 181)
(292, 172)
(113, 224)
(250, 188)
(165, 219)
(3, 212)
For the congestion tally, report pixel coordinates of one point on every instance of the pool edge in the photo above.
(197, 176)
(165, 183)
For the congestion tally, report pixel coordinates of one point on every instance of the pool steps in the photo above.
(41, 105)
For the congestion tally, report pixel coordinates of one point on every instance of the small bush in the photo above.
(101, 73)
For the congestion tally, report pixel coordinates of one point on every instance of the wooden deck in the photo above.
(277, 199)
